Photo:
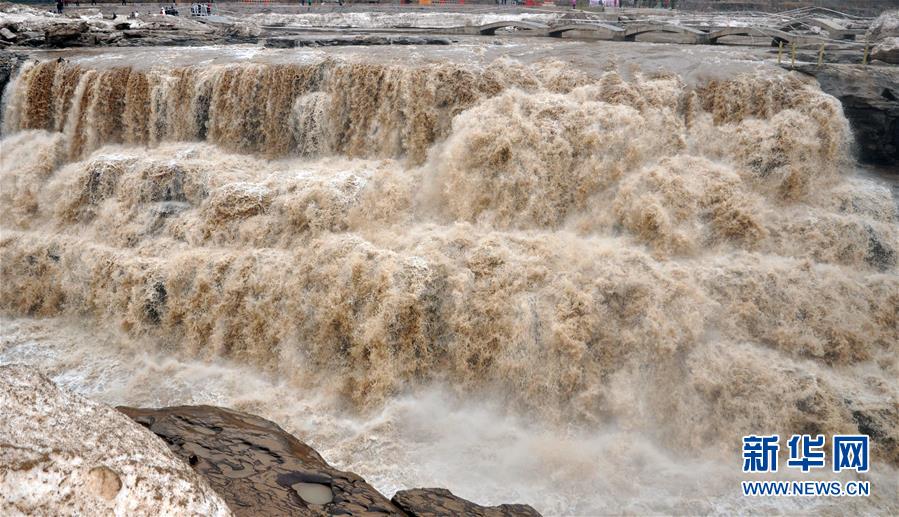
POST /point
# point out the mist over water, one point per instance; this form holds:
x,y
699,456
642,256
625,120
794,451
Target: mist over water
x,y
522,282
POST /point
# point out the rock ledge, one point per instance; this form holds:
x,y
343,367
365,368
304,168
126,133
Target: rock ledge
x,y
260,469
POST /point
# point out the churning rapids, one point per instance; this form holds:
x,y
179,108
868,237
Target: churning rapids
x,y
522,281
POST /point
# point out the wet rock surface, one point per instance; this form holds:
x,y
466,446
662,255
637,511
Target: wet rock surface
x,y
882,425
870,98
260,469
257,467
9,63
63,454
434,502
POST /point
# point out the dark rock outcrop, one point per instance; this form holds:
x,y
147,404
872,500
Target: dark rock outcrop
x,y
870,98
9,64
437,502
257,467
260,469
882,425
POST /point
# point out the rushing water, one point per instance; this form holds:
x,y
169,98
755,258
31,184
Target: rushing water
x,y
524,282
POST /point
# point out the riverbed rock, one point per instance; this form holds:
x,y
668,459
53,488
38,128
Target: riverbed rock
x,y
883,36
882,425
39,28
437,502
30,39
884,26
62,454
257,467
241,33
67,34
870,98
260,469
886,50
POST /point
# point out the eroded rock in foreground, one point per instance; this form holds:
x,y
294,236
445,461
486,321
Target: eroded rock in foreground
x,y
61,454
435,502
256,466
260,469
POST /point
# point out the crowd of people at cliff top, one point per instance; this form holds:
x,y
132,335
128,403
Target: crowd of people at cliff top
x,y
204,9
